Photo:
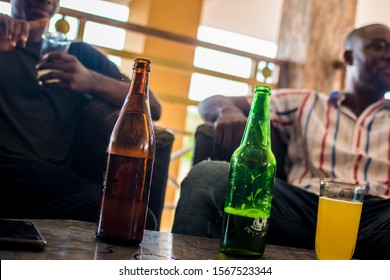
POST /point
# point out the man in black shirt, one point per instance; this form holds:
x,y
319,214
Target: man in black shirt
x,y
38,122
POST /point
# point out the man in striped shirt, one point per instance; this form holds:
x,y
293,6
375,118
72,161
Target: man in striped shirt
x,y
343,136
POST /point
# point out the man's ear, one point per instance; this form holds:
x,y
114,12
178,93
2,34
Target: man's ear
x,y
348,57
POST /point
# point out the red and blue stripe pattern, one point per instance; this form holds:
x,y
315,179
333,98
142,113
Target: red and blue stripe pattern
x,y
327,140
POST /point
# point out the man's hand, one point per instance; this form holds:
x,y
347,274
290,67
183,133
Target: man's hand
x,y
72,75
228,130
229,115
14,33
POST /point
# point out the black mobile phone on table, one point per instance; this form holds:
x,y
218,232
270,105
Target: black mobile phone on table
x,y
20,235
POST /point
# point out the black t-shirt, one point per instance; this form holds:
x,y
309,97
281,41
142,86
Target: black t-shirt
x,y
36,122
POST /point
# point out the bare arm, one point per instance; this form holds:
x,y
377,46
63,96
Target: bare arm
x,y
213,107
104,87
229,115
115,92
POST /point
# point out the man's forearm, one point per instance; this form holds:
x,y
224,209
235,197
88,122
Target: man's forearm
x,y
211,108
110,89
115,92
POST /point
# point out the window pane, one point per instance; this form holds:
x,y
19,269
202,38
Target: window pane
x,y
116,59
5,8
99,8
223,62
203,86
237,41
104,35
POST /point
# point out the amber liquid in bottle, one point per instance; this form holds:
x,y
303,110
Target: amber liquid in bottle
x,y
125,196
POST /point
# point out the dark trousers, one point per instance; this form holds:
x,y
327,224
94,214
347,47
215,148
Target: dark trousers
x,y
39,190
293,214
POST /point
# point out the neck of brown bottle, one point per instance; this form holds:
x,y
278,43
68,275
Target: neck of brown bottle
x,y
139,83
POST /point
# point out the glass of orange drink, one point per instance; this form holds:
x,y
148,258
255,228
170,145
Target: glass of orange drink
x,y
339,210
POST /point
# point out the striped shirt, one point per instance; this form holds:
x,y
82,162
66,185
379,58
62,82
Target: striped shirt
x,y
326,140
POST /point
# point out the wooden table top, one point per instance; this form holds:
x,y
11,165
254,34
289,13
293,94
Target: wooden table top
x,y
76,240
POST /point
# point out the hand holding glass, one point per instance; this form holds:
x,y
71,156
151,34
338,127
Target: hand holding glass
x,y
339,210
53,41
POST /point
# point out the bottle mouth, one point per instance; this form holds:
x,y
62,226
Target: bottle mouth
x,y
259,89
142,63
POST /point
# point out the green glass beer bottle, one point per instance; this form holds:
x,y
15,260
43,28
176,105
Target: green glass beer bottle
x,y
251,181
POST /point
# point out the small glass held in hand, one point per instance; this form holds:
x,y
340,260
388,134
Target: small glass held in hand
x,y
53,41
339,210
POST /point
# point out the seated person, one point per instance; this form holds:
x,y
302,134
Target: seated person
x,y
38,122
343,136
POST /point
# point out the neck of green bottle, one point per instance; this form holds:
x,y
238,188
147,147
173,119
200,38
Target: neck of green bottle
x,y
257,131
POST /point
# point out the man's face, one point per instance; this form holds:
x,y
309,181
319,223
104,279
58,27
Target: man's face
x,y
34,9
371,57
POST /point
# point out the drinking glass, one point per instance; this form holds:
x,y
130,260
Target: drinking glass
x,y
53,41
339,210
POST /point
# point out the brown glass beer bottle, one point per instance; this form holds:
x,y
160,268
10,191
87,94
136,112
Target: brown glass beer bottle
x,y
125,195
